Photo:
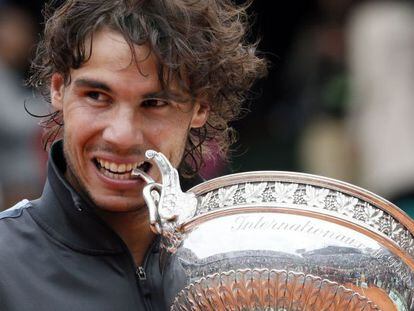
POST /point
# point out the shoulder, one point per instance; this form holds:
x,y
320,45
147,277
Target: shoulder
x,y
16,227
16,210
22,245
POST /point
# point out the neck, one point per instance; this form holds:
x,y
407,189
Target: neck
x,y
134,230
133,227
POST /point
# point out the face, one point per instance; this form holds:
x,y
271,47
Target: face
x,y
113,111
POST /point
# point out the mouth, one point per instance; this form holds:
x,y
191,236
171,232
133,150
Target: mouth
x,y
120,171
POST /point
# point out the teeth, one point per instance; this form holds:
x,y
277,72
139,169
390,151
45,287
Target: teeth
x,y
121,168
118,168
114,167
116,176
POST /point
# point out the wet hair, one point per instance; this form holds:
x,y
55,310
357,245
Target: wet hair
x,y
201,44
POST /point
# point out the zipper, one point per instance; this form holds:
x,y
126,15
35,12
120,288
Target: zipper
x,y
141,277
141,274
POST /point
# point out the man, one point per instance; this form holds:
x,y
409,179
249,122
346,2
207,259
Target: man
x,y
122,77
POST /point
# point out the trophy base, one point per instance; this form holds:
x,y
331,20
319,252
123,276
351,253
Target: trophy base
x,y
269,290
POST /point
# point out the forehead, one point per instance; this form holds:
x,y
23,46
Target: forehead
x,y
112,57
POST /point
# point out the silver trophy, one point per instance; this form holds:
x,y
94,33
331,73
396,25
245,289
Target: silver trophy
x,y
279,241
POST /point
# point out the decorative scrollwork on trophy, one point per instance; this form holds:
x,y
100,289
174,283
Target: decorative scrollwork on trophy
x,y
301,195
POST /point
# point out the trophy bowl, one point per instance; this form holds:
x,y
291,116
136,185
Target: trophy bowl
x,y
282,241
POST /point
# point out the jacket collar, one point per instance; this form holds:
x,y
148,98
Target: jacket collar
x,y
69,217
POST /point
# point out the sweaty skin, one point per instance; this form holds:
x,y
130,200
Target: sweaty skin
x,y
113,111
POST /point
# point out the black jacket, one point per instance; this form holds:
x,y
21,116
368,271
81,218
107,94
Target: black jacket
x,y
56,254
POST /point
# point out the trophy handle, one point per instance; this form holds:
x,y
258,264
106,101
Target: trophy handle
x,y
168,205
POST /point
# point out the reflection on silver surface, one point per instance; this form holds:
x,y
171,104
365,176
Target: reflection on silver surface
x,y
282,241
264,289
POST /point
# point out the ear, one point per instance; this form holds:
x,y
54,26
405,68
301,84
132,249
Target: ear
x,y
200,115
57,88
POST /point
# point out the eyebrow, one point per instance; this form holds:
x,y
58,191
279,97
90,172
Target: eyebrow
x,y
160,94
95,84
169,95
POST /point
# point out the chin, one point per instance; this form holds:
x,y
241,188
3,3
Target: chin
x,y
119,205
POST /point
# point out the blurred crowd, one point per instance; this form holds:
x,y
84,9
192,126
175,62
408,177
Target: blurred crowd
x,y
343,109
360,99
345,102
21,157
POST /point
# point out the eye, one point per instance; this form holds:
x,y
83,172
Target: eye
x,y
154,102
97,96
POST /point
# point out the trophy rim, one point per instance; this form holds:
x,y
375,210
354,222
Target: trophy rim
x,y
403,247
381,238
308,179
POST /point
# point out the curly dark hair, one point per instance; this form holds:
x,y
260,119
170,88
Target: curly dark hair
x,y
202,44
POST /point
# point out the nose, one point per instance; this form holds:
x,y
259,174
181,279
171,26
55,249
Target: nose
x,y
122,129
